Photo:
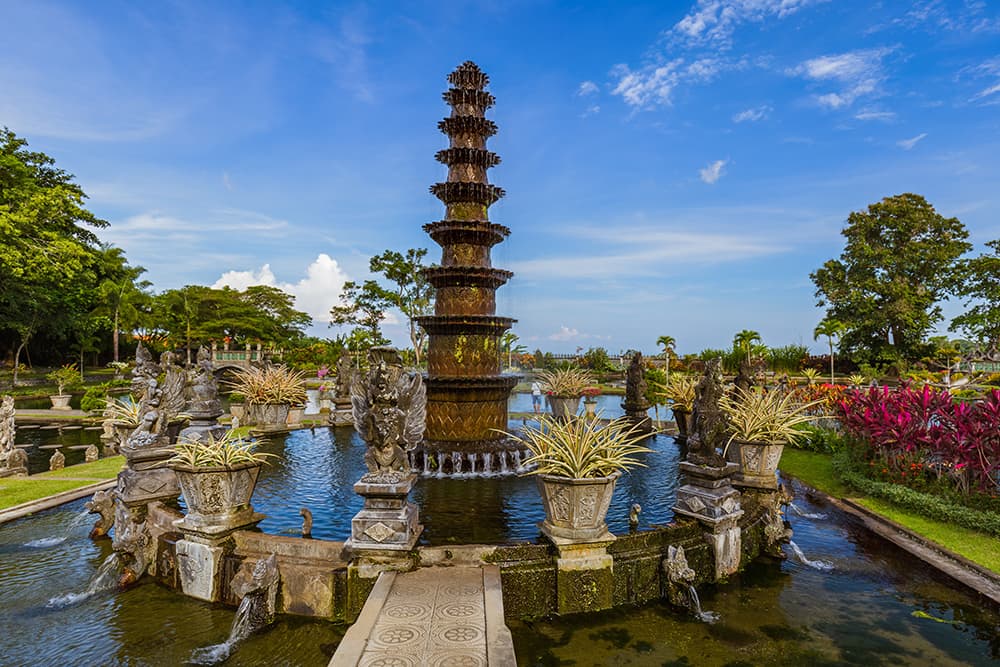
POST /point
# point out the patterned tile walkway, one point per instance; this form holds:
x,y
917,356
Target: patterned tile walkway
x,y
431,617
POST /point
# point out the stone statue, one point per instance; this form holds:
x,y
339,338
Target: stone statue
x,y
345,376
635,383
710,426
58,461
17,464
174,385
679,577
102,504
151,419
91,454
7,428
203,395
258,582
307,521
744,376
144,371
389,413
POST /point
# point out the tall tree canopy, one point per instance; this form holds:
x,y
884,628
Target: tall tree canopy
x,y
980,285
898,263
50,259
364,306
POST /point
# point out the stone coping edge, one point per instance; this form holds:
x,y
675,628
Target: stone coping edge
x,y
957,567
355,640
499,642
32,506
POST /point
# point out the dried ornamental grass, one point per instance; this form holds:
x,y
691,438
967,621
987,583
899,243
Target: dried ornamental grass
x,y
228,450
565,382
580,448
765,417
270,384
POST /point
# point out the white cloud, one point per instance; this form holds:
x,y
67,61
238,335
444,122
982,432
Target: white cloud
x,y
714,21
315,294
752,115
874,114
859,73
713,172
907,144
987,92
647,87
565,333
590,111
587,88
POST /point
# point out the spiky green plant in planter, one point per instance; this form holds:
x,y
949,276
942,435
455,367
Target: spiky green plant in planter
x,y
229,449
577,462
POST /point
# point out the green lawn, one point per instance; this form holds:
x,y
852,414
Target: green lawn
x,y
17,490
816,470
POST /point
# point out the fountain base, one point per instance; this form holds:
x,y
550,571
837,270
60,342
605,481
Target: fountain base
x,y
387,522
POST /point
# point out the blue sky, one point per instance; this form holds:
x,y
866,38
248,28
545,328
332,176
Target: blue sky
x,y
671,167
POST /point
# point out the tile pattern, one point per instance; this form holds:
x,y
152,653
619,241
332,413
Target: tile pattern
x,y
432,617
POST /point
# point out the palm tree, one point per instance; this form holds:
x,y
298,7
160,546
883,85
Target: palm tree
x,y
830,328
668,344
744,340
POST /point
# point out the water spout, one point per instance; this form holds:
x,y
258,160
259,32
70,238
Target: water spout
x,y
503,463
821,565
241,629
105,579
819,516
703,616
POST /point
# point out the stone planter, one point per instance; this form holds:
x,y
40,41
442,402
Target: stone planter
x,y
267,414
217,499
682,418
237,410
590,408
575,509
564,408
295,414
758,463
61,401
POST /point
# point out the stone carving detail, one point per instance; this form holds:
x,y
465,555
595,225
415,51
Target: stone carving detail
x,y
389,413
635,384
58,461
710,424
345,376
102,504
17,464
91,454
560,503
7,429
257,588
379,532
132,540
679,578
751,457
203,395
588,504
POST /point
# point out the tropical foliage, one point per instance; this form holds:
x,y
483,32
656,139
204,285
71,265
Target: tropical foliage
x,y
271,384
582,448
229,449
765,416
567,382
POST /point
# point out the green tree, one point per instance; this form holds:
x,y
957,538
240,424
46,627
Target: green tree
x,y
362,306
669,344
408,291
47,247
597,359
898,263
744,342
509,346
830,328
122,297
980,286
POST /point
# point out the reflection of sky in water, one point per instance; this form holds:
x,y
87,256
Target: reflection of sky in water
x,y
317,469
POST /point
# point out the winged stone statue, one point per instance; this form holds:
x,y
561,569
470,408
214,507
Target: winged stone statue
x,y
389,409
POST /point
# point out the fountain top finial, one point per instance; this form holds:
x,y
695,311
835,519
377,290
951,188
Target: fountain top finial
x,y
469,76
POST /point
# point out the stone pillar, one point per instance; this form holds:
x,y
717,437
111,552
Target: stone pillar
x,y
585,578
708,496
341,414
387,522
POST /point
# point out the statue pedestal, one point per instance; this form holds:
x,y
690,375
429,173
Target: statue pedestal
x,y
202,424
708,496
638,414
387,522
585,578
342,413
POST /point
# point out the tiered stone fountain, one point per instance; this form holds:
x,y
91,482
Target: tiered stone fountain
x,y
466,392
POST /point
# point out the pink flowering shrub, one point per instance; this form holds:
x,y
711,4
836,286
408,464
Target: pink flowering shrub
x,y
907,429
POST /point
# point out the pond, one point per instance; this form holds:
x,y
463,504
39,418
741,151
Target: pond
x,y
41,440
877,605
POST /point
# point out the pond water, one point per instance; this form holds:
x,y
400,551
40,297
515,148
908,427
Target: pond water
x,y
877,605
41,440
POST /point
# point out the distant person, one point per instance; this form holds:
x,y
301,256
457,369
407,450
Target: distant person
x,y
536,397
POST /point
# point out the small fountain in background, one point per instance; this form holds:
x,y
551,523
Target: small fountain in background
x,y
389,414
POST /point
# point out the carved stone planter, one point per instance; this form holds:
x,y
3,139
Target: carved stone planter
x,y
267,414
564,408
295,414
682,418
61,401
758,463
237,410
590,408
217,499
575,508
